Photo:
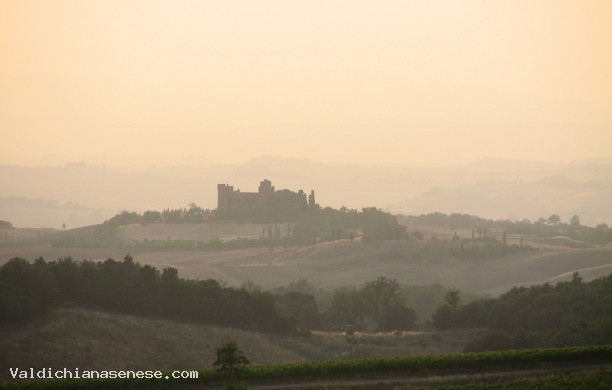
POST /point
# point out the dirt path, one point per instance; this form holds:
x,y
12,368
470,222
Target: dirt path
x,y
392,381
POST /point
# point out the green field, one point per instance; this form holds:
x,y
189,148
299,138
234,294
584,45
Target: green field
x,y
562,367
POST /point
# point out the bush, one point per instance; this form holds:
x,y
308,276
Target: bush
x,y
230,358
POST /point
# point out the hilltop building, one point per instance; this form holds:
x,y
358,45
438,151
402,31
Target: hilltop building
x,y
266,198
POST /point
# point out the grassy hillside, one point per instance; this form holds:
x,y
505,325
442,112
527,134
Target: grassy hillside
x,y
97,340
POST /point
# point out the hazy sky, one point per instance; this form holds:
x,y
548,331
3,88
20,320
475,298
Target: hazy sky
x,y
373,82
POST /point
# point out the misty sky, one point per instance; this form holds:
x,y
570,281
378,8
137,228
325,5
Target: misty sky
x,y
371,82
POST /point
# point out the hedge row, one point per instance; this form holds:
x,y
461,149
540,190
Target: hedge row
x,y
408,366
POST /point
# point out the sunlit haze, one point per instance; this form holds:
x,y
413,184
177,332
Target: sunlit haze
x,y
354,188
386,82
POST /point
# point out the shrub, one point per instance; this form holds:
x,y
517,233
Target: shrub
x,y
230,358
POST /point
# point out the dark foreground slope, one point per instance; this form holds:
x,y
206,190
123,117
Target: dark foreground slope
x,y
96,340
87,339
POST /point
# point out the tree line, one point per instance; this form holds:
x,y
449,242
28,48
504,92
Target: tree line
x,y
29,289
379,305
316,225
568,313
544,227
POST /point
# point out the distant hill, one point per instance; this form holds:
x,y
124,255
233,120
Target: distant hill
x,y
6,225
28,212
516,200
491,188
341,262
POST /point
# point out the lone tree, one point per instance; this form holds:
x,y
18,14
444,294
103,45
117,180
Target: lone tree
x,y
230,358
554,219
452,298
383,302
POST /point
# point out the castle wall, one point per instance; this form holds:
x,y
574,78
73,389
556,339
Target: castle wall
x,y
230,199
234,200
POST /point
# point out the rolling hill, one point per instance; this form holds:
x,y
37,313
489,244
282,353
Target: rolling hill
x,y
93,340
341,262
